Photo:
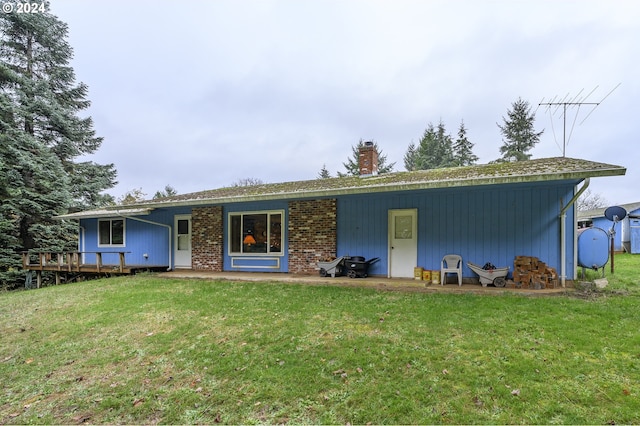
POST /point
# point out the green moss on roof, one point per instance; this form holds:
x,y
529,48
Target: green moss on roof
x,y
558,168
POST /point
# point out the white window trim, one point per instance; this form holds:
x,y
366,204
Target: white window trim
x,y
251,212
124,232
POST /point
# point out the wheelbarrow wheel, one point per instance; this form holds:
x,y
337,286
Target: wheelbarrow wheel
x,y
323,272
351,273
499,282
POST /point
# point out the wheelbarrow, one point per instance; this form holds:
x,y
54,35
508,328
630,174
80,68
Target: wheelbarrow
x,y
359,268
333,268
495,276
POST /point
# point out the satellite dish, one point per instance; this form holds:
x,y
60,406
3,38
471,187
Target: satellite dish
x,y
615,213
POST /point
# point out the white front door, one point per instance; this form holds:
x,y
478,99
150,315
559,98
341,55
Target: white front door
x,y
403,242
182,241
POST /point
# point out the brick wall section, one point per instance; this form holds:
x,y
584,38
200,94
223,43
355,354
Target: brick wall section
x,y
312,233
206,238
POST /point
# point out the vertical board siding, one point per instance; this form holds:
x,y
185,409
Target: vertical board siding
x,y
140,239
487,224
484,224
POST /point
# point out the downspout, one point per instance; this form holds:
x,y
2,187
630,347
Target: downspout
x,y
81,242
152,223
563,236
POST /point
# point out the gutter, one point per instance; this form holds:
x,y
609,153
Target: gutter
x,y
563,236
117,212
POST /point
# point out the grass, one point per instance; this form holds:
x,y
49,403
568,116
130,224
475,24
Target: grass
x,y
149,350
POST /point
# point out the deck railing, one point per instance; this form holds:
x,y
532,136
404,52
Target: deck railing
x,y
71,261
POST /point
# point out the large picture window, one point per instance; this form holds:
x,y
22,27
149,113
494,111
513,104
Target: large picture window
x,y
111,232
255,232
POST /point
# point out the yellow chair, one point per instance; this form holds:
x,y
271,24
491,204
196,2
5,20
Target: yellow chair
x,y
451,264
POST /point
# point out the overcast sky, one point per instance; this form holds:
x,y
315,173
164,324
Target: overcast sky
x,y
200,94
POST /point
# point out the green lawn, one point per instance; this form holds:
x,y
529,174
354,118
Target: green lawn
x,y
150,350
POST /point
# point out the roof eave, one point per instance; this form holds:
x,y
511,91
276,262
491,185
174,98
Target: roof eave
x,y
106,212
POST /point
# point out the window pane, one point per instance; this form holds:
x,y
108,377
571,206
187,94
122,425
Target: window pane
x,y
117,232
104,227
236,234
183,242
254,227
275,237
404,228
183,226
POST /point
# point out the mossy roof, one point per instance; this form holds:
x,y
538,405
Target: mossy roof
x,y
538,170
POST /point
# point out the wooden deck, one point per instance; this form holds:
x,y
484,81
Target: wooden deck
x,y
71,262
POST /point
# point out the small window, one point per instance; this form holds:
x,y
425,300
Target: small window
x,y
255,233
111,232
183,226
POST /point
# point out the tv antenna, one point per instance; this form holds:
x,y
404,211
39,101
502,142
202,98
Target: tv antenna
x,y
561,105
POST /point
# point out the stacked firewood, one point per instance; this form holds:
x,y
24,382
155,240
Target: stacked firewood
x,y
531,272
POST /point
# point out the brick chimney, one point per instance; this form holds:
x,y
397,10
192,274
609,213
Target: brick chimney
x,y
368,159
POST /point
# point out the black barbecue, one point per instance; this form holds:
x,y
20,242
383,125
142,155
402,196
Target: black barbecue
x,y
357,267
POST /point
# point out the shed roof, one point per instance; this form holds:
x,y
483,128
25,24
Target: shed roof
x,y
590,214
538,170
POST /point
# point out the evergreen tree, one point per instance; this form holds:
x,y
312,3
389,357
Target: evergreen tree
x,y
410,157
42,136
324,173
434,151
352,165
9,220
463,149
169,191
519,136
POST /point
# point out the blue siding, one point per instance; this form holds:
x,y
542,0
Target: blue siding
x,y
488,224
485,224
140,238
634,235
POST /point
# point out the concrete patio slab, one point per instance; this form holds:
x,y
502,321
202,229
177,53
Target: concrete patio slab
x,y
374,282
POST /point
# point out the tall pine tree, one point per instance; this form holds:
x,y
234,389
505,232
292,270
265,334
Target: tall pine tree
x,y
324,173
434,151
519,136
463,149
411,157
43,135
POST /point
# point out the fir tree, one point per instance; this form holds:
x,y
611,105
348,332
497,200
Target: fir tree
x,y
324,173
519,136
434,151
463,149
352,165
42,136
410,158
169,191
